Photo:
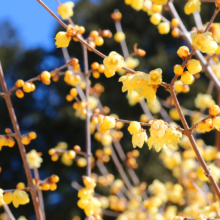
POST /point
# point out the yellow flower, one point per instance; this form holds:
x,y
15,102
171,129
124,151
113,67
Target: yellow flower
x,y
106,139
7,197
65,10
113,62
134,98
191,6
34,160
158,128
147,7
134,127
93,102
149,93
137,4
1,197
140,82
155,18
109,122
203,101
160,2
172,137
194,66
155,76
119,36
164,28
139,138
62,39
154,106
66,160
126,80
204,42
216,123
19,197
158,143
174,114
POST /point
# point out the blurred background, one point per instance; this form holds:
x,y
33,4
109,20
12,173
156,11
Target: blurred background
x,y
27,48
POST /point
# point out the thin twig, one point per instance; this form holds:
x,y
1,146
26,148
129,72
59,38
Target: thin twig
x,y
40,194
8,211
20,145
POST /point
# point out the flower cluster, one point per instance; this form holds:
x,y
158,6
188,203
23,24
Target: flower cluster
x,y
193,66
26,139
139,135
18,197
49,184
144,84
204,42
162,135
210,123
6,140
106,124
112,63
87,201
96,39
26,86
97,69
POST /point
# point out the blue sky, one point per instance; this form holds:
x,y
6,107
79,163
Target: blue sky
x,y
33,23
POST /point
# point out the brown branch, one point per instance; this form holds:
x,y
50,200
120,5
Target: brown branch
x,y
193,143
82,41
147,124
198,54
88,135
20,145
38,78
110,213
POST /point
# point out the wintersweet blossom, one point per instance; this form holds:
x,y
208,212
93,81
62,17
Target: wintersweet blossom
x,y
107,123
34,160
19,197
204,42
172,137
158,128
65,10
144,84
113,62
191,6
134,127
155,76
139,138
